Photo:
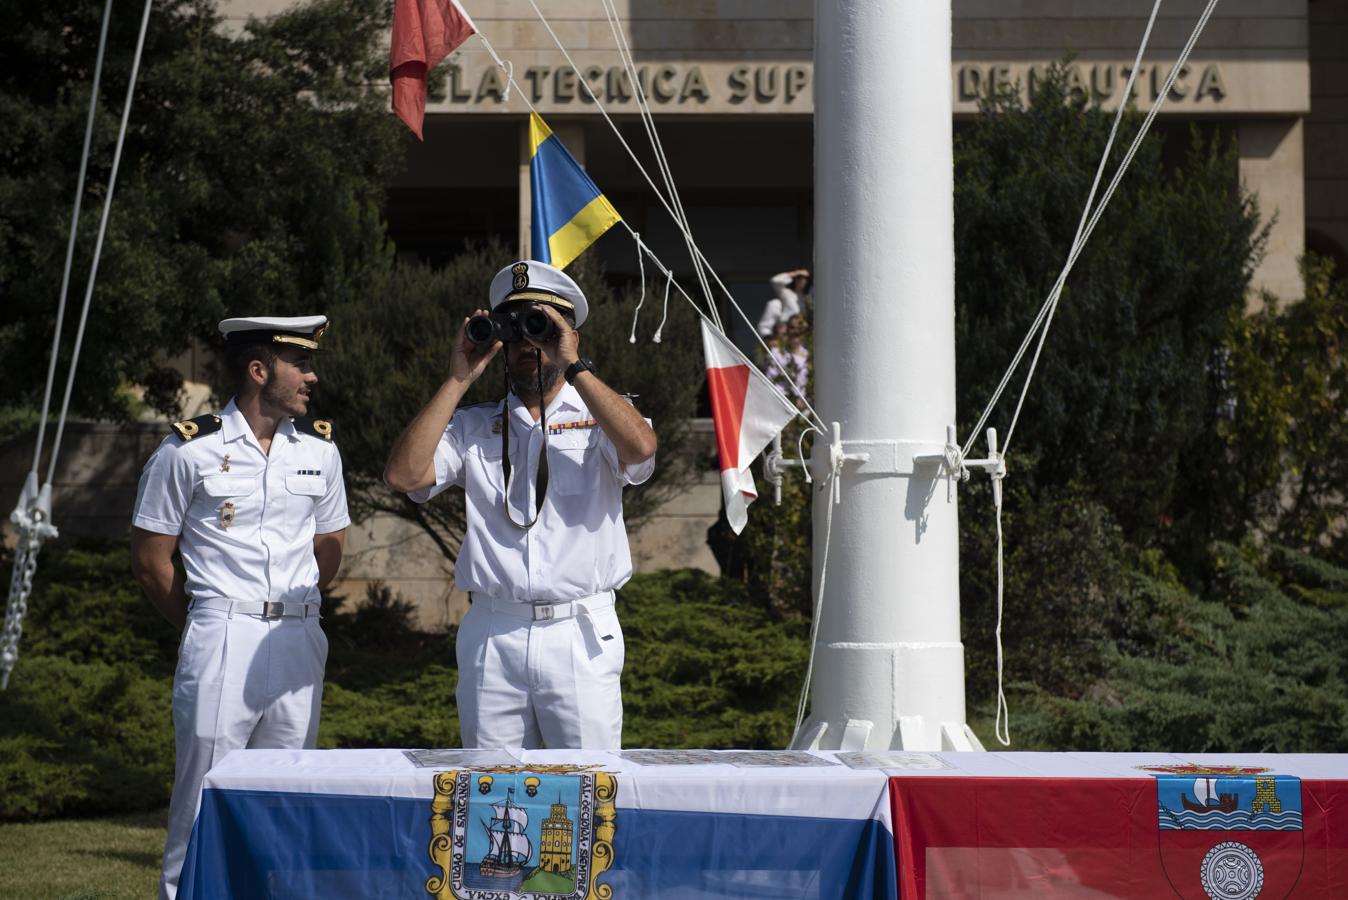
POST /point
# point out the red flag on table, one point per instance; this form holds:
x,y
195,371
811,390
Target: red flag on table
x,y
424,33
747,411
1192,836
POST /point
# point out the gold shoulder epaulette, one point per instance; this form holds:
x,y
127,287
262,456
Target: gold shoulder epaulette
x,y
198,427
319,428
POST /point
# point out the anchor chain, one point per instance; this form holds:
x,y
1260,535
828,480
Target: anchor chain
x,y
33,528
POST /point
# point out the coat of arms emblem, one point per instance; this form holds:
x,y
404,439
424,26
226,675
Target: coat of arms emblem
x,y
515,833
1229,836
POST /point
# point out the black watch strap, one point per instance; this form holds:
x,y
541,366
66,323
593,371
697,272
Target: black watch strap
x,y
580,365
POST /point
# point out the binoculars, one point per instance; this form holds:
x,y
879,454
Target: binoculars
x,y
515,325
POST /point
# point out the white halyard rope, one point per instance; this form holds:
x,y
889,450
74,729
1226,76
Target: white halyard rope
x,y
70,241
1090,217
32,514
1084,234
641,268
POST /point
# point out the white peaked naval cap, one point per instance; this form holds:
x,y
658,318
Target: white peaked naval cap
x,y
530,279
299,331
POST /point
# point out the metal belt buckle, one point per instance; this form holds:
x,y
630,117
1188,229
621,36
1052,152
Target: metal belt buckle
x,y
543,612
273,609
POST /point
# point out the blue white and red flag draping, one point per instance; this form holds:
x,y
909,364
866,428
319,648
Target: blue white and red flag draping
x,y
545,825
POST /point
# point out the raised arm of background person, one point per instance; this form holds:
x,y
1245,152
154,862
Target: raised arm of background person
x,y
411,462
163,582
622,423
328,554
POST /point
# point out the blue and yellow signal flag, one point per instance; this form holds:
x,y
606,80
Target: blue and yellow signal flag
x,y
569,213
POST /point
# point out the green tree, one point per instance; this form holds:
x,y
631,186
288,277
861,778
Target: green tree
x,y
1286,431
1250,661
1124,398
251,182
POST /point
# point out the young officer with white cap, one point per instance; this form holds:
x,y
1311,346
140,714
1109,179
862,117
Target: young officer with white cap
x,y
540,651
253,500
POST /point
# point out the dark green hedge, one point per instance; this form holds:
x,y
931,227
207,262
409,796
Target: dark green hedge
x,y
85,726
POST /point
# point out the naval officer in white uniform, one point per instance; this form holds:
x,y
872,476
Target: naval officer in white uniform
x,y
540,651
252,499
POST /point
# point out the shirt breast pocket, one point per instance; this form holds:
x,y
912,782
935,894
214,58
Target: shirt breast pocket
x,y
217,486
227,499
489,477
305,490
571,454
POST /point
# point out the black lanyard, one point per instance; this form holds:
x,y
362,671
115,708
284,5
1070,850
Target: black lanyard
x,y
541,479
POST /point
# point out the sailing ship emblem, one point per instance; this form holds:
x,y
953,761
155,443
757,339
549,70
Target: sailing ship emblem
x,y
508,839
514,833
1230,836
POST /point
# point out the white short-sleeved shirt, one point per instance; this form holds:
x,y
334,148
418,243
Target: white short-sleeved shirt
x,y
578,546
274,506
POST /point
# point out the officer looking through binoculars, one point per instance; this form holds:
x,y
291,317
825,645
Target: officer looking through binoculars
x,y
540,651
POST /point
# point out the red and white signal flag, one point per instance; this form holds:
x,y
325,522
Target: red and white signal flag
x,y
747,411
424,33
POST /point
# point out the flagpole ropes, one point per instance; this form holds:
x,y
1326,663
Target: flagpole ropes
x,y
32,517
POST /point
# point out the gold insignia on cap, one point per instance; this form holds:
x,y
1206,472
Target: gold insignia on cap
x,y
542,297
521,273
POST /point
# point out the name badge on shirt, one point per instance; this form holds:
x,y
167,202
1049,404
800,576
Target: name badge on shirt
x,y
227,514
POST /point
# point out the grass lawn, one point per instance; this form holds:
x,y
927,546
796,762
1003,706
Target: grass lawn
x,y
82,859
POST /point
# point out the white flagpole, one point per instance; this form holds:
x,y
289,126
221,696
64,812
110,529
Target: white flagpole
x,y
889,670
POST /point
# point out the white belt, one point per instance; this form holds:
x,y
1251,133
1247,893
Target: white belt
x,y
267,609
547,610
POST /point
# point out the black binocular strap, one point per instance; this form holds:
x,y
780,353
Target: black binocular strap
x,y
541,479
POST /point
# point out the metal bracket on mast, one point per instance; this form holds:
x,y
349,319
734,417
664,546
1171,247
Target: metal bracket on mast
x,y
774,464
957,467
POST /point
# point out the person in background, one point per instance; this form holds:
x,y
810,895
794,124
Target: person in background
x,y
788,359
788,297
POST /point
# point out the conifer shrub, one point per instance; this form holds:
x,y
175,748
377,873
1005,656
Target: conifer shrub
x,y
86,724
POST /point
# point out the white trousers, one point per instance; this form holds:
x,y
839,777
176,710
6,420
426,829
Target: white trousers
x,y
242,681
530,684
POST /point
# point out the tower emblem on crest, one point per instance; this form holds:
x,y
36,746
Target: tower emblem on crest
x,y
519,833
521,272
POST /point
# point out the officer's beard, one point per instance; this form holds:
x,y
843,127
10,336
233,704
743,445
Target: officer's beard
x,y
525,384
286,400
525,377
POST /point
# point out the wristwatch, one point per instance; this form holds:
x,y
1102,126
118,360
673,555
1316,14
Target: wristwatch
x,y
580,365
